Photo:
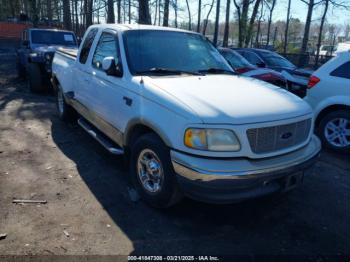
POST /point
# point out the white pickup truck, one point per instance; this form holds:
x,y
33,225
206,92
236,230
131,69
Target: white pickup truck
x,y
188,125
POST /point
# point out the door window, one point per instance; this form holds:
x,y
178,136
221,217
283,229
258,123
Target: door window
x,y
342,71
106,46
252,58
85,49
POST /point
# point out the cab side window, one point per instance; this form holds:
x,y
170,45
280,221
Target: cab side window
x,y
106,46
84,53
342,71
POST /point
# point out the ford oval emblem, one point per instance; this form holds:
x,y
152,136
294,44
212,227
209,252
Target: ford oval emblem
x,y
286,135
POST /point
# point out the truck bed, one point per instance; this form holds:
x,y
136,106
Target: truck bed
x,y
70,52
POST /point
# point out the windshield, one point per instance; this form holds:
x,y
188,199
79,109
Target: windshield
x,y
53,38
272,59
147,50
235,59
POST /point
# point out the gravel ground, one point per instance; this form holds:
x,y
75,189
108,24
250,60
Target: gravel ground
x,y
86,190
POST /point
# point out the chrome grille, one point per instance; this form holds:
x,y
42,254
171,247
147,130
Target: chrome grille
x,y
274,138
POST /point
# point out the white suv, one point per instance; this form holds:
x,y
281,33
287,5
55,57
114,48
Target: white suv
x,y
329,95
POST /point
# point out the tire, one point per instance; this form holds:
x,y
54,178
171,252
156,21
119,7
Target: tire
x,y
65,111
35,82
334,131
21,72
152,148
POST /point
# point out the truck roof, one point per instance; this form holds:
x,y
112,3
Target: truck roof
x,y
128,27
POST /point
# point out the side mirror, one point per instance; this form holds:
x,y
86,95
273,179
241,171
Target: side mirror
x,y
261,64
25,43
111,68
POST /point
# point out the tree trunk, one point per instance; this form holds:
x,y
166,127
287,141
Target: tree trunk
x,y
243,22
321,31
206,20
259,25
175,9
199,15
251,23
34,12
189,16
285,44
119,8
227,23
166,13
216,27
88,12
144,16
239,16
49,10
155,13
67,22
129,11
110,12
306,31
270,21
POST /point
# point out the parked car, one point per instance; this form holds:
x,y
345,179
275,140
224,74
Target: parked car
x,y
342,47
297,78
187,123
241,66
34,57
329,95
326,50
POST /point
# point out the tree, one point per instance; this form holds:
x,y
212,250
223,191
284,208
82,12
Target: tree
x,y
216,27
287,29
248,36
66,15
166,13
199,15
89,5
189,16
242,13
271,8
311,4
119,8
326,2
207,18
227,24
110,12
144,16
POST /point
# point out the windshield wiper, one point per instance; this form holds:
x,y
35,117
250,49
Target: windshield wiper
x,y
167,71
214,70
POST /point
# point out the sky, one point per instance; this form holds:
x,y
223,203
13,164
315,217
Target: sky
x,y
299,10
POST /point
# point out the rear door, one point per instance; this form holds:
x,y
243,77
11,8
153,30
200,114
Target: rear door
x,y
82,72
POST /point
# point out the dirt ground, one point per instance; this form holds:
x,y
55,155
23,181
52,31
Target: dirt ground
x,y
87,197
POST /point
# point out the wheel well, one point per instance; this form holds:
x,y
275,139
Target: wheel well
x,y
137,131
328,110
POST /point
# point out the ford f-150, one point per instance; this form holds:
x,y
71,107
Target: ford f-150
x,y
167,100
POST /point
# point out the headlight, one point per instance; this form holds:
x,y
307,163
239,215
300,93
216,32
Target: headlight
x,y
211,139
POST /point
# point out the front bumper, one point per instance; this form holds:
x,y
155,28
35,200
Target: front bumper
x,y
232,180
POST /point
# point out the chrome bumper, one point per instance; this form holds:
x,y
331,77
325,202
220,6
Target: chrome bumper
x,y
226,176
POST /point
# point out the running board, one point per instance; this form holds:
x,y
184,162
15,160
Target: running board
x,y
102,139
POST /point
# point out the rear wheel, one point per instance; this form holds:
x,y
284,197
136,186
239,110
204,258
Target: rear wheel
x,y
35,82
152,172
65,111
334,130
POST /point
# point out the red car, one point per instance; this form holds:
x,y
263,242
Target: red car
x,y
241,66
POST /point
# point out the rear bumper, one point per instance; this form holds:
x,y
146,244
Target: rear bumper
x,y
232,180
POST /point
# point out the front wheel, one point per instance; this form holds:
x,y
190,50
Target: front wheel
x,y
35,82
334,130
152,172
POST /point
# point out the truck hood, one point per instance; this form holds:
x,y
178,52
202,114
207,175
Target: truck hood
x,y
226,99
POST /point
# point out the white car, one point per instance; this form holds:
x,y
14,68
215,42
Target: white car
x,y
329,95
167,100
